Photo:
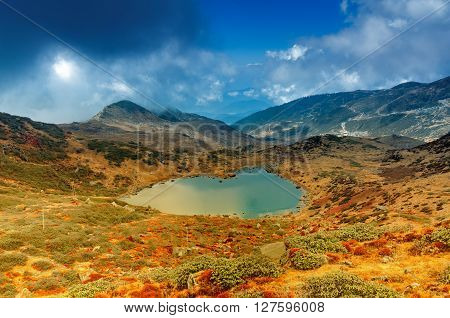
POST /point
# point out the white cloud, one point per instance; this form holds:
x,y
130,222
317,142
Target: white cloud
x,y
344,6
292,54
118,87
350,80
279,93
250,93
254,64
398,23
233,93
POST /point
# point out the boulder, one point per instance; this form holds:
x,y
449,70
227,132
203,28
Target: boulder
x,y
273,250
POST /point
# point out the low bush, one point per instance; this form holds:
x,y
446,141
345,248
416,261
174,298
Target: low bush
x,y
306,260
157,274
344,285
226,273
67,278
10,243
90,290
48,283
445,276
9,260
316,243
358,232
433,242
442,236
8,291
42,265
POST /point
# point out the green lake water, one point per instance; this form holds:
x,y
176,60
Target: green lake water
x,y
250,194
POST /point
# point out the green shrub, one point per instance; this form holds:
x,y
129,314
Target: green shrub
x,y
8,291
10,243
90,290
442,236
438,236
67,278
42,265
227,273
182,272
359,232
316,243
306,260
48,283
126,245
344,285
9,260
157,274
445,276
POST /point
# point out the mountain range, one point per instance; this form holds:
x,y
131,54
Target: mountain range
x,y
410,109
167,130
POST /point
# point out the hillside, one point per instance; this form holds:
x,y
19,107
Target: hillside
x,y
30,140
166,131
415,110
374,217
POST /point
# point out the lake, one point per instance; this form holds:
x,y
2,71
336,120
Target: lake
x,y
250,194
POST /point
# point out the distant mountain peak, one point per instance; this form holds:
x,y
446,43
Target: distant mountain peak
x,y
127,112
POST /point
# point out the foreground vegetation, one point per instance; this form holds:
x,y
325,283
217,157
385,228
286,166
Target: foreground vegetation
x,y
366,229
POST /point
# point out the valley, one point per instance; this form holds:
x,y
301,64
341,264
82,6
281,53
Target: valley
x,y
374,220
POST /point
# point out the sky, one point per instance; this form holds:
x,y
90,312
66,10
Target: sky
x,y
63,61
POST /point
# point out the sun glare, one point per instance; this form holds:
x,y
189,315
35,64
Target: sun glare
x,y
64,69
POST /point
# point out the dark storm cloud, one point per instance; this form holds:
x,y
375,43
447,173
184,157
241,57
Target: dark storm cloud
x,y
101,28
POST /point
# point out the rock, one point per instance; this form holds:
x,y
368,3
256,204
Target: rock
x,y
96,248
273,250
114,204
414,285
381,278
85,274
88,201
386,259
280,232
199,280
129,208
381,208
181,251
277,225
348,263
233,233
24,293
258,226
407,270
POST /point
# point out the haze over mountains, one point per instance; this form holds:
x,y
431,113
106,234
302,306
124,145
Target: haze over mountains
x,y
410,109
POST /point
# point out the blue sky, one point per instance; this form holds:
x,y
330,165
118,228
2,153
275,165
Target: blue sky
x,y
251,27
220,58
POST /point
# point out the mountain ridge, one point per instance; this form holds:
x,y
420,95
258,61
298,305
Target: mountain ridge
x,y
411,109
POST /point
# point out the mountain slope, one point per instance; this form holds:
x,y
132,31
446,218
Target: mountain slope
x,y
411,109
30,140
169,130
